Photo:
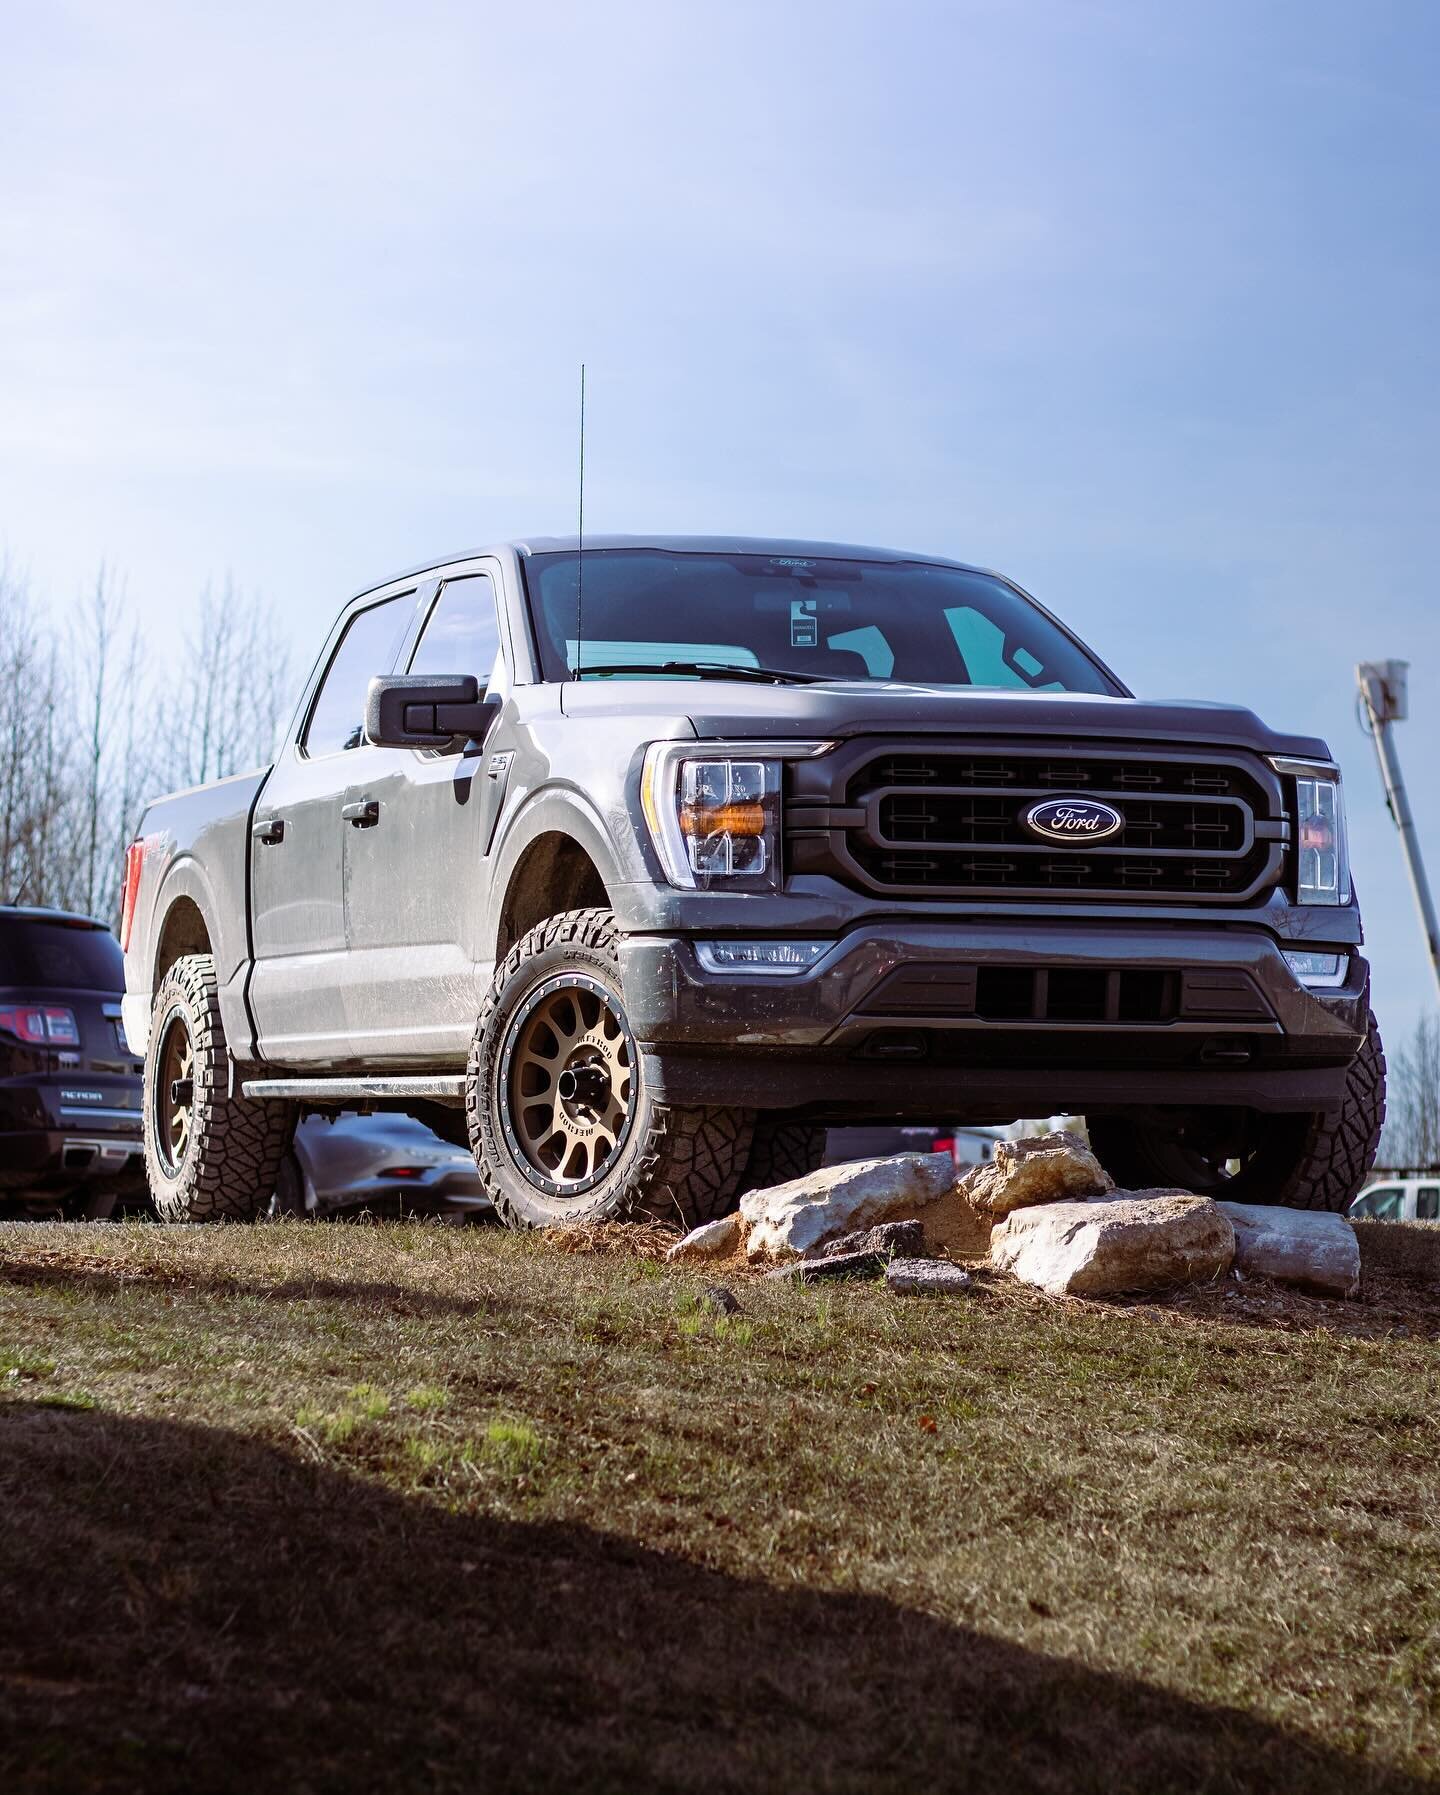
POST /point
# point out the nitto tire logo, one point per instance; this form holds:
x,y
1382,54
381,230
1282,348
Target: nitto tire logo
x,y
1073,822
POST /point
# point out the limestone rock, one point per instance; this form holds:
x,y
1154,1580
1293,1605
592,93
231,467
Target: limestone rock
x,y
905,1240
790,1220
927,1277
1309,1248
712,1240
1050,1168
1131,1241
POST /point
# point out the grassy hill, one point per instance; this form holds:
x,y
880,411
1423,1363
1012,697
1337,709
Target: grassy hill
x,y
404,1507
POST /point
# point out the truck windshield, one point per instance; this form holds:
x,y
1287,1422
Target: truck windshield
x,y
832,619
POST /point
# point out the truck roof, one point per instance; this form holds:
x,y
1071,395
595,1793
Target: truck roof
x,y
682,545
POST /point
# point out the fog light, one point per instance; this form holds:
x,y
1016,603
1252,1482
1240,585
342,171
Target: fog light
x,y
760,956
1317,970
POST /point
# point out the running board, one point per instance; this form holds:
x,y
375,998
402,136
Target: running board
x,y
348,1090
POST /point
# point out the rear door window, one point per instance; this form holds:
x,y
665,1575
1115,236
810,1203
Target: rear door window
x,y
1427,1203
60,956
368,648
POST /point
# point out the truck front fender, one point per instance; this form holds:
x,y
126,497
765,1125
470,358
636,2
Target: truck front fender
x,y
560,831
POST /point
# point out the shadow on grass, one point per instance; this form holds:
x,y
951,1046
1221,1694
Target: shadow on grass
x,y
188,1609
386,1298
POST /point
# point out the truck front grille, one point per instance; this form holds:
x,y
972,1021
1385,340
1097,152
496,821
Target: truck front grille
x,y
946,820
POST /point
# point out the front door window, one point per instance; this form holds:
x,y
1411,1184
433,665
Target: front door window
x,y
368,648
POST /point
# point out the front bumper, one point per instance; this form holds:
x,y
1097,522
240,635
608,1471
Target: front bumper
x,y
988,1019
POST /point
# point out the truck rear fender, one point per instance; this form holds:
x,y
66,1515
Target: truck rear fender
x,y
194,898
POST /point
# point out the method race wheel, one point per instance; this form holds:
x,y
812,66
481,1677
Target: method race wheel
x,y
562,1124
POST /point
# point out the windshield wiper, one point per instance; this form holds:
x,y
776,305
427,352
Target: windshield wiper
x,y
767,676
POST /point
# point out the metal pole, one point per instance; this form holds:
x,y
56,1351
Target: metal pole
x,y
1382,688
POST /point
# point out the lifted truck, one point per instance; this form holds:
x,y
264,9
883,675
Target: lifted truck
x,y
634,870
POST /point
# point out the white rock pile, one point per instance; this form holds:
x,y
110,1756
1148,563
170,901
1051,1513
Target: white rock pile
x,y
1044,1210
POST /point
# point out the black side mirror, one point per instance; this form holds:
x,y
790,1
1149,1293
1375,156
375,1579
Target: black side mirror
x,y
426,710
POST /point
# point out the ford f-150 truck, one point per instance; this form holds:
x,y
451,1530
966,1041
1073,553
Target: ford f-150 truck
x,y
634,866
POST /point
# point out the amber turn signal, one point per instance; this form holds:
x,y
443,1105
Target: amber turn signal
x,y
722,819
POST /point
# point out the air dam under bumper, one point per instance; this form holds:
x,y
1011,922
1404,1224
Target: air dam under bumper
x,y
990,1019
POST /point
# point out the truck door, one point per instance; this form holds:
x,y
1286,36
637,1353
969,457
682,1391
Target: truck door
x,y
297,986
416,857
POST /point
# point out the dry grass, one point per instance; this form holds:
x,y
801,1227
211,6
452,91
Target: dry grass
x,y
403,1506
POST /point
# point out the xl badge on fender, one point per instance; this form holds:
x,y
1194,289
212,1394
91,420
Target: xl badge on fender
x,y
1073,822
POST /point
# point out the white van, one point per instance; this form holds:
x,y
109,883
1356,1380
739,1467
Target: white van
x,y
1399,1200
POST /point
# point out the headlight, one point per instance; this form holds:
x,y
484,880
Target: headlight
x,y
1322,855
713,810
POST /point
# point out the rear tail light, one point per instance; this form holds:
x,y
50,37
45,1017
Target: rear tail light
x,y
42,1026
134,861
404,1171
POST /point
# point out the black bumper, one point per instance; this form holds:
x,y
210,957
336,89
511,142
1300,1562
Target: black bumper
x,y
986,1020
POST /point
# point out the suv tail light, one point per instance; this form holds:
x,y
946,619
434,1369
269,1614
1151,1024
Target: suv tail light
x,y
134,861
42,1026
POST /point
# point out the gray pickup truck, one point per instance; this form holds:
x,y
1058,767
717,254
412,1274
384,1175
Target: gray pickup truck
x,y
634,868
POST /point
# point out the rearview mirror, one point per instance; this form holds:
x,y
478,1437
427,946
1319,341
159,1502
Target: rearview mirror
x,y
426,710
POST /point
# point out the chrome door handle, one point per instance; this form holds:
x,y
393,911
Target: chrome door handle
x,y
270,831
363,815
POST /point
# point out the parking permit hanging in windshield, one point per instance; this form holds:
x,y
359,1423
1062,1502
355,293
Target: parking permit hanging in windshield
x,y
804,623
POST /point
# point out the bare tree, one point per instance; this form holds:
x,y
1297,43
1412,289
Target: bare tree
x,y
80,749
36,792
236,675
105,664
1412,1132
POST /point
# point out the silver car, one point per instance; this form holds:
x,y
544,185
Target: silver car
x,y
387,1164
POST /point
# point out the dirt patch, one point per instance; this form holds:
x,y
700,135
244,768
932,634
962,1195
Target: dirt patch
x,y
1387,1307
955,1228
1400,1250
613,1240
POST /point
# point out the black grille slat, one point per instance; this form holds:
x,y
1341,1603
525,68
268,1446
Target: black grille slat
x,y
963,819
948,819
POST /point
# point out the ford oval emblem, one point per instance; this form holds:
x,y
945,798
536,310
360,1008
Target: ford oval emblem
x,y
1073,822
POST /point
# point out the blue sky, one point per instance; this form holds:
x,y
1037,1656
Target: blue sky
x,y
1137,302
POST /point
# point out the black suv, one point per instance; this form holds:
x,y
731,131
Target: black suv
x,y
69,1086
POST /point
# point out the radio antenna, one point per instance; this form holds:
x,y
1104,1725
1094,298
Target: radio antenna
x,y
580,550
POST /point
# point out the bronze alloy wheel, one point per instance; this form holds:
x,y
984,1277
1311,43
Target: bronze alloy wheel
x,y
567,1084
174,1094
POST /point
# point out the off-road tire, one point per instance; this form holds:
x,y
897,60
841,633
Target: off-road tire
x,y
289,1198
1300,1161
781,1151
676,1163
233,1156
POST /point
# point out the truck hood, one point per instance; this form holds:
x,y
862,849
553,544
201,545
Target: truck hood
x,y
842,708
